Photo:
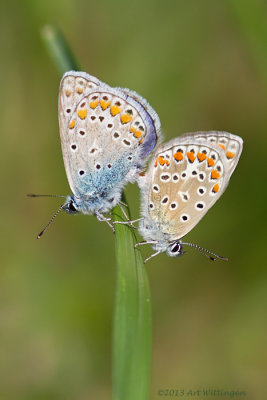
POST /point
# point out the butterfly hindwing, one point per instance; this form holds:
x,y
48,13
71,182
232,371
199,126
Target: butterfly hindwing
x,y
231,145
185,178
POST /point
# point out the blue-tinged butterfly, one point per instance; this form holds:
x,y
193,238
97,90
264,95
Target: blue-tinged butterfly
x,y
106,136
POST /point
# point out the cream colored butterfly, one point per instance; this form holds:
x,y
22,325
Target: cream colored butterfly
x,y
186,176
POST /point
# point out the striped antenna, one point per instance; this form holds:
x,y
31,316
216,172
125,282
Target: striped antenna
x,y
54,216
210,254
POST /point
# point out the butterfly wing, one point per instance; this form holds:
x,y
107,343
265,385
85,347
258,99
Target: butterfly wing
x,y
149,146
73,87
185,178
106,138
231,144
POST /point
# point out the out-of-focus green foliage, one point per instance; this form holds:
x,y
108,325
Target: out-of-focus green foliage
x,y
201,68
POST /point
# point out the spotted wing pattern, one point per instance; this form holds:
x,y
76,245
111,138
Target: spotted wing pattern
x,y
74,86
231,144
185,178
106,134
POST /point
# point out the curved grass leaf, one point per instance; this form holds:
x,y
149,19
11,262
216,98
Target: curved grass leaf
x,y
58,49
132,319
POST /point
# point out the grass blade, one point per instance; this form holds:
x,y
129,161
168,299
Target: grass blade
x,y
59,50
132,320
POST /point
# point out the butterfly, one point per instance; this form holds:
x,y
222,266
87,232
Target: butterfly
x,y
185,177
106,136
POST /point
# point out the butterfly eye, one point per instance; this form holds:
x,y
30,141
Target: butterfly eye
x,y
71,207
174,250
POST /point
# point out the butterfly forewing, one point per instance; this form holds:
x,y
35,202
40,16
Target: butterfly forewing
x,y
73,87
186,178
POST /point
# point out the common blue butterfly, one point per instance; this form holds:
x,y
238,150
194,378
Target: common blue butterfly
x,y
106,136
186,176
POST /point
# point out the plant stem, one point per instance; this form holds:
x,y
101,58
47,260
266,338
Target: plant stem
x,y
58,49
132,332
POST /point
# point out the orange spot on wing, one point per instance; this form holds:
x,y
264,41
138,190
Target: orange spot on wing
x,y
201,156
138,134
215,188
210,162
178,156
191,156
125,118
82,113
141,141
215,174
229,154
161,160
67,93
104,104
115,110
221,146
132,129
72,124
94,104
79,90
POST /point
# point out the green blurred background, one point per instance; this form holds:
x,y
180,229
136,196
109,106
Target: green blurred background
x,y
202,65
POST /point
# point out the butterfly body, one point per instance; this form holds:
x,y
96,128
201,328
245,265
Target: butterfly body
x,y
185,178
101,191
106,136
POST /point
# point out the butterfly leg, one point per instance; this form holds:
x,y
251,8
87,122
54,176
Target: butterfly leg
x,y
128,221
124,204
101,217
152,255
148,242
120,204
142,243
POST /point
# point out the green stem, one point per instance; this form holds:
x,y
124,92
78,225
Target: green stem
x,y
58,49
132,320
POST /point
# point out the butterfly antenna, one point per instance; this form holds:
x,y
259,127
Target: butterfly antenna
x,y
44,195
210,254
50,222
